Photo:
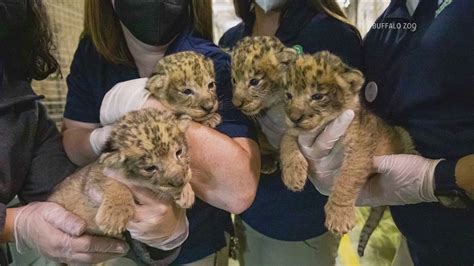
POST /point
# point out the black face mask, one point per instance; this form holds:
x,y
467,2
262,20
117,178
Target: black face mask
x,y
153,22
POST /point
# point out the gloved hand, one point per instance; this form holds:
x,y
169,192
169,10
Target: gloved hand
x,y
99,137
58,234
404,179
273,124
324,152
124,97
156,223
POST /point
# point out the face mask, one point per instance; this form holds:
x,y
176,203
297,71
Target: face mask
x,y
154,22
268,5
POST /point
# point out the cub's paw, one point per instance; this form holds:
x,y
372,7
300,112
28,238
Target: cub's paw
x,y
112,220
213,121
186,198
269,165
294,174
339,219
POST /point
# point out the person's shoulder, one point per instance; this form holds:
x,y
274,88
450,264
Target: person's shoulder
x,y
86,48
322,25
231,36
210,50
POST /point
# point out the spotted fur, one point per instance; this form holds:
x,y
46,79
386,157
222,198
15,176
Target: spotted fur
x,y
148,148
318,89
258,67
185,83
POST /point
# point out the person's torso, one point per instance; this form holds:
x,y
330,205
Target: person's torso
x,y
278,212
424,80
19,112
207,224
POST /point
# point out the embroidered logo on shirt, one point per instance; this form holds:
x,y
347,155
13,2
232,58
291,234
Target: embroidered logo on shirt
x,y
442,7
299,49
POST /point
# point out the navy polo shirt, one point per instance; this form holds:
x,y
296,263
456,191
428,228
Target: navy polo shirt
x,y
92,77
278,212
425,82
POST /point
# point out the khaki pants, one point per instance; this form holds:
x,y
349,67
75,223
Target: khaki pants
x,y
261,250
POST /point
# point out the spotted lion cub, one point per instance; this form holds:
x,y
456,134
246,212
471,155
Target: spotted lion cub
x,y
319,88
258,64
185,83
149,148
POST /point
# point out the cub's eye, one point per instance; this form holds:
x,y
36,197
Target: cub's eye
x,y
179,153
233,80
188,92
317,97
150,169
254,82
289,96
211,85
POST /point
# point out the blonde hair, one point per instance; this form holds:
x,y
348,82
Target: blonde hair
x,y
103,27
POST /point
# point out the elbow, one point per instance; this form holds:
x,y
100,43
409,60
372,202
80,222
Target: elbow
x,y
243,202
248,192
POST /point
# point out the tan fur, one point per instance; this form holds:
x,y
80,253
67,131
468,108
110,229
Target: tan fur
x,y
258,64
319,89
185,83
149,148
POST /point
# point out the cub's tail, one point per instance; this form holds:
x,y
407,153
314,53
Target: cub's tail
x,y
371,223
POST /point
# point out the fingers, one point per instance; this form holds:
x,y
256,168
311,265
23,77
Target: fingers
x,y
92,257
64,220
327,139
332,133
143,195
93,244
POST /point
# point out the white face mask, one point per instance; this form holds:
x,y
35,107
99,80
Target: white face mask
x,y
268,5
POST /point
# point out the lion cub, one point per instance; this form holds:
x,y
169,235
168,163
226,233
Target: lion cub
x,y
184,82
258,64
319,88
148,148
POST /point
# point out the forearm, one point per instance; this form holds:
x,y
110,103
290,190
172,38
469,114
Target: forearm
x,y
225,170
77,145
7,230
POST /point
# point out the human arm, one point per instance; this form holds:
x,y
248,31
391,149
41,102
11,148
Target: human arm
x,y
29,225
225,175
403,179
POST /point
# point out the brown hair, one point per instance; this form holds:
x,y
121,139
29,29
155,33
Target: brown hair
x,y
103,27
329,7
28,51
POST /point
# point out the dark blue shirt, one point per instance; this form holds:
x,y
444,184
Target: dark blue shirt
x,y
278,212
425,82
92,76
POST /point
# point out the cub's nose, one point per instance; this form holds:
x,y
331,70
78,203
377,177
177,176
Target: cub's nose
x,y
207,107
176,182
296,118
237,102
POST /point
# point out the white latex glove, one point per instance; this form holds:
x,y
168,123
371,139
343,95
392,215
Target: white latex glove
x,y
99,137
273,124
324,153
58,234
404,179
157,224
124,97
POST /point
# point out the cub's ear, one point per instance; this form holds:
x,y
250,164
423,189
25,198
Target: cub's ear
x,y
354,78
183,122
157,83
210,65
286,56
112,159
275,65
